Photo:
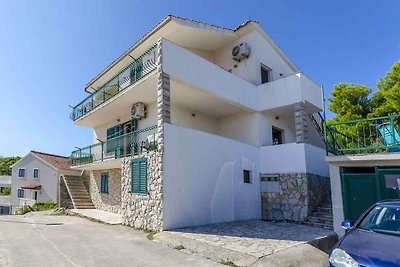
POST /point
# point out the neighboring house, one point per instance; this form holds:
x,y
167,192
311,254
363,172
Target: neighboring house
x,y
35,178
197,124
364,165
5,205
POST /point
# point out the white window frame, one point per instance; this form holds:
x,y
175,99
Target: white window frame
x,y
38,173
23,194
19,172
269,72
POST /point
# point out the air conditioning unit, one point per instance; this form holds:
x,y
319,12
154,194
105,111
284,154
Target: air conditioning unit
x,y
241,51
138,111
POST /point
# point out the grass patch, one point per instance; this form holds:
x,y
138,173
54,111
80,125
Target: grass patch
x,y
150,234
38,206
180,247
229,263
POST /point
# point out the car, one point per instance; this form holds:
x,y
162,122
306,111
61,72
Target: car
x,y
373,240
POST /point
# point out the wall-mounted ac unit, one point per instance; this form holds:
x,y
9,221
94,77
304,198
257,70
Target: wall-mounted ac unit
x,y
138,111
241,51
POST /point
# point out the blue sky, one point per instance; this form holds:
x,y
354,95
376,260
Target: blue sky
x,y
50,49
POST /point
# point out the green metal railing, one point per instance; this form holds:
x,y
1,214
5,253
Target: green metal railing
x,y
134,143
372,135
137,70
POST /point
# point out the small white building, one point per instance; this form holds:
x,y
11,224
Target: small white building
x,y
197,124
5,205
35,178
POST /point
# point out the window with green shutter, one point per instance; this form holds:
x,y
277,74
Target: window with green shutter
x,y
104,182
139,176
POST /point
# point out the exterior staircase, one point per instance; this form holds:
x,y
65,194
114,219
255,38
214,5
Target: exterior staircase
x,y
78,193
322,217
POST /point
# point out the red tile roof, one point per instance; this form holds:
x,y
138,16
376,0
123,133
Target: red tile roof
x,y
59,162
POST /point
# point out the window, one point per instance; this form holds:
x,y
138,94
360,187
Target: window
x,y
139,176
20,193
36,173
112,134
21,173
270,183
247,176
104,182
277,136
266,74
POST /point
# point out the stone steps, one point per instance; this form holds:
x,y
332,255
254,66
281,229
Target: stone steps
x,y
322,217
78,193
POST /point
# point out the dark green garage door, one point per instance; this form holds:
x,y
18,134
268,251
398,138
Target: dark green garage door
x,y
362,187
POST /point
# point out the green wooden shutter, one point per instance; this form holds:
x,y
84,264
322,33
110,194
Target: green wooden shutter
x,y
139,176
104,182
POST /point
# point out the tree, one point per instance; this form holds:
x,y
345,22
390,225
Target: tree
x,y
349,102
386,100
5,164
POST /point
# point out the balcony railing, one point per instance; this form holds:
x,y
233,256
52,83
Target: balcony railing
x,y
133,143
374,135
137,70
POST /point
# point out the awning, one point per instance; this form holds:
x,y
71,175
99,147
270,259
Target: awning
x,y
32,186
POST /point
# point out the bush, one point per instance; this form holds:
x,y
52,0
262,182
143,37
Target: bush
x,y
6,191
38,206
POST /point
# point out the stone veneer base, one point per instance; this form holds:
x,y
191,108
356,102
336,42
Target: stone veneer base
x,y
300,194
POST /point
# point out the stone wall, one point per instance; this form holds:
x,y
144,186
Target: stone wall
x,y
299,194
110,202
65,199
138,210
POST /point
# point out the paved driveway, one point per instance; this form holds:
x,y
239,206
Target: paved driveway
x,y
42,240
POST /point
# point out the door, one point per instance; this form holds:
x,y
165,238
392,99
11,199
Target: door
x,y
359,193
35,196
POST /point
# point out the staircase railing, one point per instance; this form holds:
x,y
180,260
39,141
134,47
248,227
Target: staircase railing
x,y
319,123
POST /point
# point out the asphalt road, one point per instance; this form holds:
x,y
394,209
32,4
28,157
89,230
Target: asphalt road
x,y
37,239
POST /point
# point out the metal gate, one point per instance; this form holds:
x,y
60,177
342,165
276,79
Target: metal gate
x,y
361,189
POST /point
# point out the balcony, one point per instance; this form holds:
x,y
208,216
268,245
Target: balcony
x,y
140,68
134,143
374,135
290,90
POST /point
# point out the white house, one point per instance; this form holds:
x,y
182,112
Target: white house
x,y
197,124
35,178
5,205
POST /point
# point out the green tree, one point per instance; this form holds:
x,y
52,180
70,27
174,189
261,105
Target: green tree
x,y
386,100
349,102
5,164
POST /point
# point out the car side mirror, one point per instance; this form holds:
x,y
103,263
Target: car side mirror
x,y
347,224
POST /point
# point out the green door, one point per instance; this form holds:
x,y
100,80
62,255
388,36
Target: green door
x,y
359,193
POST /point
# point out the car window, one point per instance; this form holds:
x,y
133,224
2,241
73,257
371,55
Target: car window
x,y
383,219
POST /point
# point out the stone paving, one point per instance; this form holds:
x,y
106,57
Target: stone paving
x,y
255,238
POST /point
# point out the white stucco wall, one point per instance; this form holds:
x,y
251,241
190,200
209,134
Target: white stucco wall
x,y
48,179
182,116
151,119
203,180
249,69
293,158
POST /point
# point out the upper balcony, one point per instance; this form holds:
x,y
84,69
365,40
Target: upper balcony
x,y
366,136
130,76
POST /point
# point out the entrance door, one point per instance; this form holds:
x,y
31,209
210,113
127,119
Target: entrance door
x,y
359,193
35,195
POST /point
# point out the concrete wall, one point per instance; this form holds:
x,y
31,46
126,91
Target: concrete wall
x,y
48,179
203,179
